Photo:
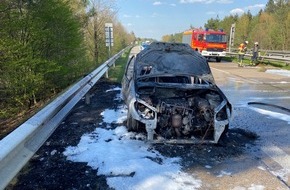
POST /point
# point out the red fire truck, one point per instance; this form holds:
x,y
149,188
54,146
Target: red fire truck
x,y
210,43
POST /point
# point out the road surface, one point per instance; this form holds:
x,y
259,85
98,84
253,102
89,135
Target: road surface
x,y
268,162
91,149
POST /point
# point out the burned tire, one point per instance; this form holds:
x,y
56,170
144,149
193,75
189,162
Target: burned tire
x,y
224,134
224,137
132,124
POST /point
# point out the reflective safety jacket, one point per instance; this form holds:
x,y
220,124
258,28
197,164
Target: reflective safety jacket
x,y
242,48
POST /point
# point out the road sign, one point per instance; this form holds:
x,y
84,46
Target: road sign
x,y
109,34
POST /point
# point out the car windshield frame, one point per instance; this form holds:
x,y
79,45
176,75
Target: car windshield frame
x,y
173,62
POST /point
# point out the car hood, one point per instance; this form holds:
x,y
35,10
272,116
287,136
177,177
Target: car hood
x,y
171,63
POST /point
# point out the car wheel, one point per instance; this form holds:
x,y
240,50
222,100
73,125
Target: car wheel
x,y
223,139
132,124
218,59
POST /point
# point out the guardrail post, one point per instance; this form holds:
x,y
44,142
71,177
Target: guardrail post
x,y
107,74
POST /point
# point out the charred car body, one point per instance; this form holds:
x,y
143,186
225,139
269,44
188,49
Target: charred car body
x,y
171,95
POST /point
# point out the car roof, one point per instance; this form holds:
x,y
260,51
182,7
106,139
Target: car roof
x,y
171,58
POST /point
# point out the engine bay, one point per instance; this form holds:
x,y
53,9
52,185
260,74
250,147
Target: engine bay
x,y
183,113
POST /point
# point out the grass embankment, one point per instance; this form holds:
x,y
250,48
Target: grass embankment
x,y
262,63
116,73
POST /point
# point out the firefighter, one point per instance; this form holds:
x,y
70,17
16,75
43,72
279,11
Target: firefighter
x,y
242,52
255,51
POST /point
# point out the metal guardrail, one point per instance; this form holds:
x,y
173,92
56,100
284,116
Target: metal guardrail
x,y
18,147
284,59
268,53
276,53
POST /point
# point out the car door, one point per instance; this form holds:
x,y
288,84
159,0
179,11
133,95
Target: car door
x,y
128,77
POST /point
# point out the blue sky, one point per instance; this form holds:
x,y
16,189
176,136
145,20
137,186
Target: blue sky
x,y
155,18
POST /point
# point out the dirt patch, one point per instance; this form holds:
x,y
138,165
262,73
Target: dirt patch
x,y
49,168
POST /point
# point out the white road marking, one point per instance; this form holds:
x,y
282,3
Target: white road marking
x,y
242,80
221,71
278,155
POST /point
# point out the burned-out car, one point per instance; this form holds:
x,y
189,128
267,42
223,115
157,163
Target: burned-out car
x,y
171,95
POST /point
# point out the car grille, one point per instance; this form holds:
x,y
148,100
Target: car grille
x,y
215,49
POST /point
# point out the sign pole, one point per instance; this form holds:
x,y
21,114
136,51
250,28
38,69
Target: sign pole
x,y
232,36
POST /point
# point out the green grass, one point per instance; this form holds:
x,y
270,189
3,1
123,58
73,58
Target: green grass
x,y
116,73
229,59
277,64
247,61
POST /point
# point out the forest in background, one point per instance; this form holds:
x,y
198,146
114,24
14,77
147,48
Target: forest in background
x,y
45,46
270,27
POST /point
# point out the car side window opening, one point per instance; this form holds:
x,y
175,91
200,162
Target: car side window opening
x,y
130,68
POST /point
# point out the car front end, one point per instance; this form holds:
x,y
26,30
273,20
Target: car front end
x,y
173,97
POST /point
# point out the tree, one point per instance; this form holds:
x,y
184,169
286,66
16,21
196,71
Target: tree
x,y
242,28
41,45
100,12
45,46
288,32
177,37
281,14
213,24
21,79
270,6
254,31
226,24
270,27
279,33
58,38
121,37
166,38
